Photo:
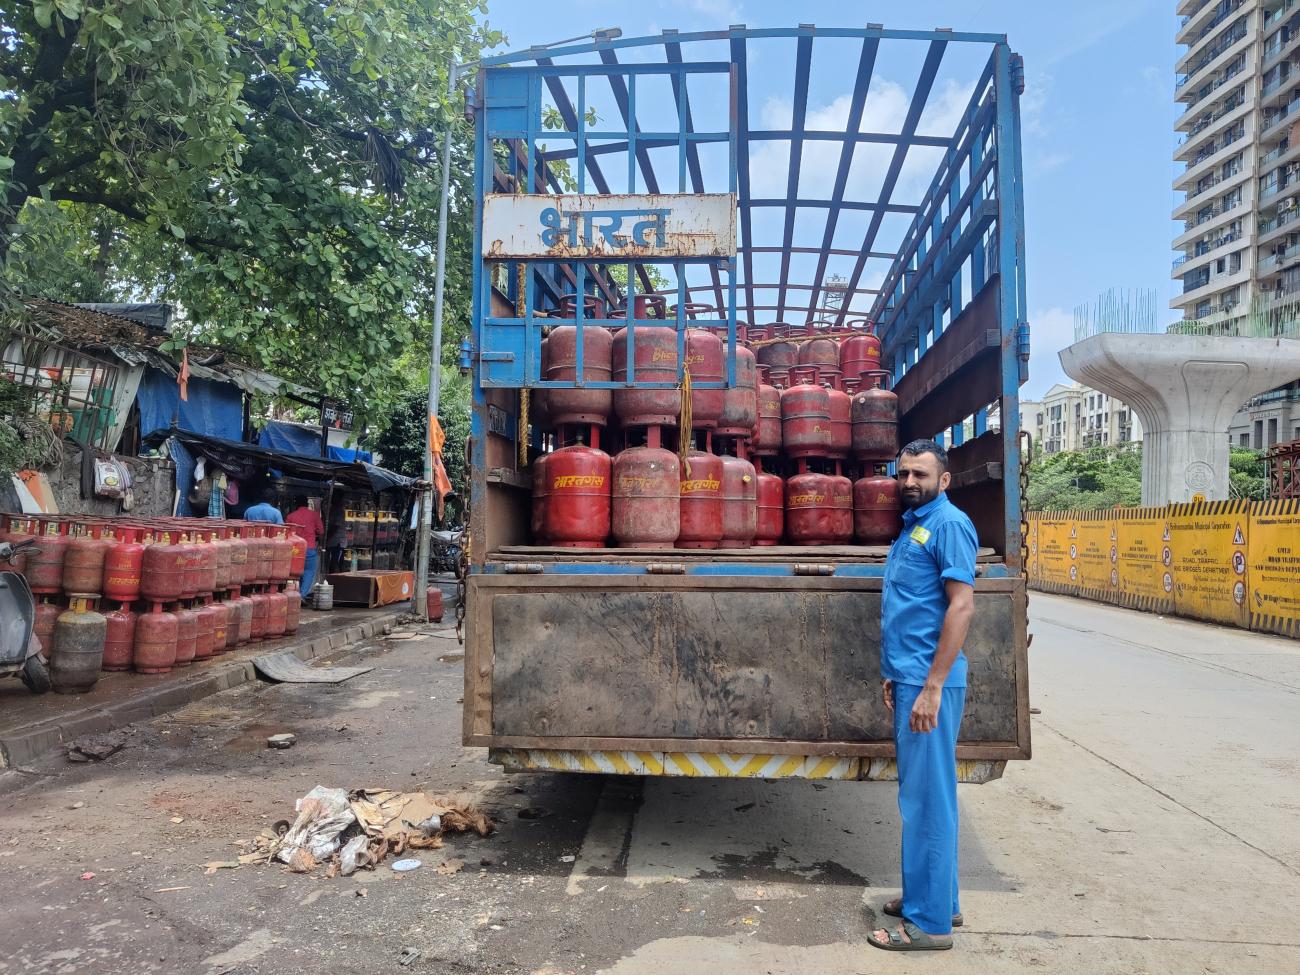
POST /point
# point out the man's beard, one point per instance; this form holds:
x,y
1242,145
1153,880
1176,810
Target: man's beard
x,y
917,499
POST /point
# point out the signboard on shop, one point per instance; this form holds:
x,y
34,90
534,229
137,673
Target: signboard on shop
x,y
640,226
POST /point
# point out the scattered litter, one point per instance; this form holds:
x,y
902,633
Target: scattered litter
x,y
361,892
77,805
568,859
168,890
408,956
746,806
451,658
285,740
449,867
210,868
404,636
285,668
1035,710
87,876
1103,829
532,812
403,866
177,820
344,833
96,749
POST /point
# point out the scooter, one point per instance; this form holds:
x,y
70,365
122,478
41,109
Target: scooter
x,y
20,649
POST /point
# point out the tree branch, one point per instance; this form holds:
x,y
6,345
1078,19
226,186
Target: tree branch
x,y
66,166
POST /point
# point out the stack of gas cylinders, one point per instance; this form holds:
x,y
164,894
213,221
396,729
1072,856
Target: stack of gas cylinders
x,y
152,594
766,462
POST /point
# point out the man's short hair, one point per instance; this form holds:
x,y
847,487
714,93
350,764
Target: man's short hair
x,y
300,501
918,447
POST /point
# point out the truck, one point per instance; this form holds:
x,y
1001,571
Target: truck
x,y
733,179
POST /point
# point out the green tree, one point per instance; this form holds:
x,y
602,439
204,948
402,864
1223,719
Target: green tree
x,y
1086,480
1247,474
270,166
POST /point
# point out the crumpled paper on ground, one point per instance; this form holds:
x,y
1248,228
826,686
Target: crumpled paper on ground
x,y
314,835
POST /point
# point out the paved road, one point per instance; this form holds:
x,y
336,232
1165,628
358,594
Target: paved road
x,y
1152,832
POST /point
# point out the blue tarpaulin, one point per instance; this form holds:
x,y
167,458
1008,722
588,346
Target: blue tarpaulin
x,y
294,439
213,409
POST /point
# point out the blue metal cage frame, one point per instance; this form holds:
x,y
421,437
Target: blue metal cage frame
x,y
966,231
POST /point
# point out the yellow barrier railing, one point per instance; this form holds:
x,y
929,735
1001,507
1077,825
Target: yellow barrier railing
x,y
1232,562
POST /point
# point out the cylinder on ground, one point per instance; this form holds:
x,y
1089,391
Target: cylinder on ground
x,y
187,635
119,638
79,635
155,642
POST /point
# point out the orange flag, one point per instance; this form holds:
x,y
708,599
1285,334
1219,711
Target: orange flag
x,y
441,482
183,380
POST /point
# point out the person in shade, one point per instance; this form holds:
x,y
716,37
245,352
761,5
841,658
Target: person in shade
x,y
307,523
264,510
929,599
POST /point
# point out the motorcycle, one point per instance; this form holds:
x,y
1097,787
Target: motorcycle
x,y
20,649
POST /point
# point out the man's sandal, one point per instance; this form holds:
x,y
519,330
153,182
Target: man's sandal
x,y
917,940
894,908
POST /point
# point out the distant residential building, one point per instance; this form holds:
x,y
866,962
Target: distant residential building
x,y
1074,417
1269,418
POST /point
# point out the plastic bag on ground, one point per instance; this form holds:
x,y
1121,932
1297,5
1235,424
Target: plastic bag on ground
x,y
314,836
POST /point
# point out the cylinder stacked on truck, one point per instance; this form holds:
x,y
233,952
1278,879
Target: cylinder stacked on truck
x,y
153,594
765,461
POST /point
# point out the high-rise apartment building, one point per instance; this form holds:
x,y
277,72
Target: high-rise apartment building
x,y
1238,84
1074,417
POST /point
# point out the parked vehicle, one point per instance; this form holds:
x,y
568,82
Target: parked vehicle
x,y
21,653
617,620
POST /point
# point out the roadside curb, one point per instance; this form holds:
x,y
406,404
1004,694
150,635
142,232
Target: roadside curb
x,y
24,745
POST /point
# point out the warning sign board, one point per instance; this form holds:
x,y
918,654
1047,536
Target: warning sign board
x,y
1208,562
1092,556
1140,544
1273,567
1054,553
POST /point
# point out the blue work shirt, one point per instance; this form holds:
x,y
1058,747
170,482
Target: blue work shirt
x,y
264,512
938,543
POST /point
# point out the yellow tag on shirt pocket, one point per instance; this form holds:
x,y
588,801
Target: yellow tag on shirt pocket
x,y
920,535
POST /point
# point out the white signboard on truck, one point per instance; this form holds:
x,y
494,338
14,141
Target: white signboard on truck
x,y
640,226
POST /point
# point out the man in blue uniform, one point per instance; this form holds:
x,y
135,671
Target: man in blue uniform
x,y
929,598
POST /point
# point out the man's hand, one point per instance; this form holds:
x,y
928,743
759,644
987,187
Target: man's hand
x,y
925,712
887,692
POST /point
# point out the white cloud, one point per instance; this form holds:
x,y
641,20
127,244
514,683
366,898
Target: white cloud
x,y
1050,331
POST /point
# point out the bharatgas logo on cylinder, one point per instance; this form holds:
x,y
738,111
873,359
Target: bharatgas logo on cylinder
x,y
698,484
805,500
626,226
563,481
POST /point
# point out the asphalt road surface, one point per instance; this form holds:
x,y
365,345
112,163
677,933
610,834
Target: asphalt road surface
x,y
1154,831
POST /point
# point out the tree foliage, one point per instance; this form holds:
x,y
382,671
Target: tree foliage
x,y
270,166
1247,474
1086,480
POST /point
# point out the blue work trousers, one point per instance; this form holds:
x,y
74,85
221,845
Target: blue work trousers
x,y
308,573
927,803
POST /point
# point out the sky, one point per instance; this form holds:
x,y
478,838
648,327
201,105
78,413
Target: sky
x,y
1097,120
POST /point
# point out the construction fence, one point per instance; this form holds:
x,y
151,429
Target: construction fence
x,y
1232,562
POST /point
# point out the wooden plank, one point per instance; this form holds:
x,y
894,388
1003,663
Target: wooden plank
x,y
694,663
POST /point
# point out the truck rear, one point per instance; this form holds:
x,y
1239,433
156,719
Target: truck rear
x,y
771,188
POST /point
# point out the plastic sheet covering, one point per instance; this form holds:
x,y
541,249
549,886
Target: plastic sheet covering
x,y
296,439
184,462
213,409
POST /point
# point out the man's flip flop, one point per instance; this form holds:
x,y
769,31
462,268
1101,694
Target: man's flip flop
x,y
919,940
894,908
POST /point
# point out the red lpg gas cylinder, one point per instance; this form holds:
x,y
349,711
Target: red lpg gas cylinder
x,y
541,495
860,350
220,627
47,613
739,503
707,361
767,431
809,511
578,502
740,402
433,603
823,352
123,565
645,508
187,634
770,503
238,557
204,632
16,529
539,403
560,364
875,421
281,556
155,642
277,614
592,307
654,360
780,356
221,553
243,629
842,504
83,562
191,566
162,578
805,415
45,562
119,640
261,614
700,525
206,540
292,609
298,546
841,407
877,511
644,306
